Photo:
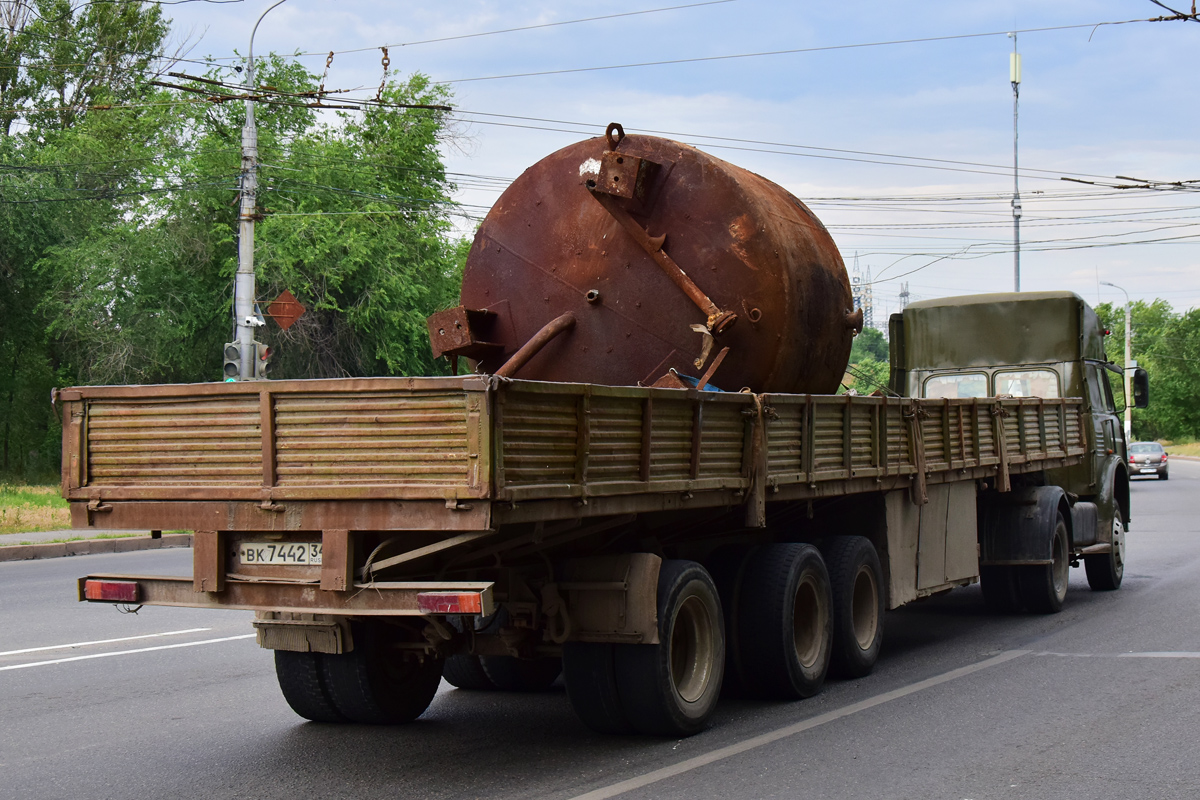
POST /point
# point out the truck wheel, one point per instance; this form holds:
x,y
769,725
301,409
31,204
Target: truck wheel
x,y
589,669
1105,570
856,581
1043,587
999,585
375,683
465,671
785,622
511,674
303,685
671,688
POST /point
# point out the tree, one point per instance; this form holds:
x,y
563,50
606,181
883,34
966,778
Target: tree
x,y
118,221
354,224
870,375
870,342
65,172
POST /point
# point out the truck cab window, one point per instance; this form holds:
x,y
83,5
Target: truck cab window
x,y
1116,400
963,384
1028,383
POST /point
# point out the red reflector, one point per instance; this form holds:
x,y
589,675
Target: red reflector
x,y
111,591
450,603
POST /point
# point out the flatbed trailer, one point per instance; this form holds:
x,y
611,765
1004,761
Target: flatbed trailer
x,y
487,527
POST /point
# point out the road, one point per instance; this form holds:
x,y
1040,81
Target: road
x,y
1099,701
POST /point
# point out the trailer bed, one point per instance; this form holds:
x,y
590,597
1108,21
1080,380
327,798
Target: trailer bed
x,y
474,453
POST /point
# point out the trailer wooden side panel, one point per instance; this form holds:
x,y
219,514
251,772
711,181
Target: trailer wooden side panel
x,y
444,446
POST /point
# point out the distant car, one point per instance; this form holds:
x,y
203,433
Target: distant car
x,y
1148,458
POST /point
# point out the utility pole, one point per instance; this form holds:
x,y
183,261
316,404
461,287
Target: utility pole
x,y
1129,365
1014,76
243,288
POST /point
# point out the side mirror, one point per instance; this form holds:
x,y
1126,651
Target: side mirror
x,y
1141,388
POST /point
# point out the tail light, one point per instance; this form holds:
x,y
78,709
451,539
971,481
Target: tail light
x,y
450,602
1164,458
110,591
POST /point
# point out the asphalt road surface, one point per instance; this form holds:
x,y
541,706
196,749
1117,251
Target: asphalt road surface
x,y
1099,701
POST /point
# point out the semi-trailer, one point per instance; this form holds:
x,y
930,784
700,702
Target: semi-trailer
x,y
587,502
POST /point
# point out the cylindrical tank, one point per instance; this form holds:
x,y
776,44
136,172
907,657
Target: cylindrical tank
x,y
550,246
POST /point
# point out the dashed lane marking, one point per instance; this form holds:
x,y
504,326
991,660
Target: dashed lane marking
x,y
128,652
101,641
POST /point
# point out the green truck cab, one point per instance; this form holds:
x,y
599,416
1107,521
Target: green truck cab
x,y
1032,344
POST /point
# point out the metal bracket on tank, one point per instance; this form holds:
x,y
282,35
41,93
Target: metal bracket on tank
x,y
623,178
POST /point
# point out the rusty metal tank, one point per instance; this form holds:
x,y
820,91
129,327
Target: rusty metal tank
x,y
664,256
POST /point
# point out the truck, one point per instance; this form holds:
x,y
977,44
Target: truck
x,y
649,543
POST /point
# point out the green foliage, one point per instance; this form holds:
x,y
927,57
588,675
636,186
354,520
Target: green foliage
x,y
870,342
870,375
1167,346
118,228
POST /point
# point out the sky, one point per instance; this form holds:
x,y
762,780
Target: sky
x,y
892,120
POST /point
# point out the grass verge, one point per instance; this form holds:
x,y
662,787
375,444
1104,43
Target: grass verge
x,y
25,509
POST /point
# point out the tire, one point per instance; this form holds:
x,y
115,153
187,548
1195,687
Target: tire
x,y
999,585
510,674
465,671
856,583
1043,587
671,688
1106,570
1162,476
379,685
589,669
785,622
303,685
726,567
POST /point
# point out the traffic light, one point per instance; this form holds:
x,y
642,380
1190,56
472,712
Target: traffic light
x,y
262,361
233,361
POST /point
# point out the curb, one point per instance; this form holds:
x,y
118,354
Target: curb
x,y
87,547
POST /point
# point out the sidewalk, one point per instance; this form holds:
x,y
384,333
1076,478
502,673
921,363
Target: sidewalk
x,y
41,544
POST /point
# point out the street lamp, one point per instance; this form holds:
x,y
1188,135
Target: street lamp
x,y
1129,365
243,287
1014,76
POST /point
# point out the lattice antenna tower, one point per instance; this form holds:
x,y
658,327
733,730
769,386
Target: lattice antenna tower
x,y
904,298
860,291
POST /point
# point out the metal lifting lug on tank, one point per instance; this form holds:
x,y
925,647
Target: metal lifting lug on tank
x,y
645,470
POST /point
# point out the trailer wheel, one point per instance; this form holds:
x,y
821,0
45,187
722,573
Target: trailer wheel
x,y
1043,587
785,622
377,683
589,669
999,585
511,674
856,581
1105,570
465,671
303,685
671,688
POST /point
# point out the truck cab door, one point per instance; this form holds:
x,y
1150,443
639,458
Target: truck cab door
x,y
1104,422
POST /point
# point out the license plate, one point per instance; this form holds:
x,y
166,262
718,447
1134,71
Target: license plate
x,y
1148,470
291,553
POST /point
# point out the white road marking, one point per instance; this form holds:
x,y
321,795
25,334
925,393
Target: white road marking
x,y
101,641
791,730
1151,654
128,652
